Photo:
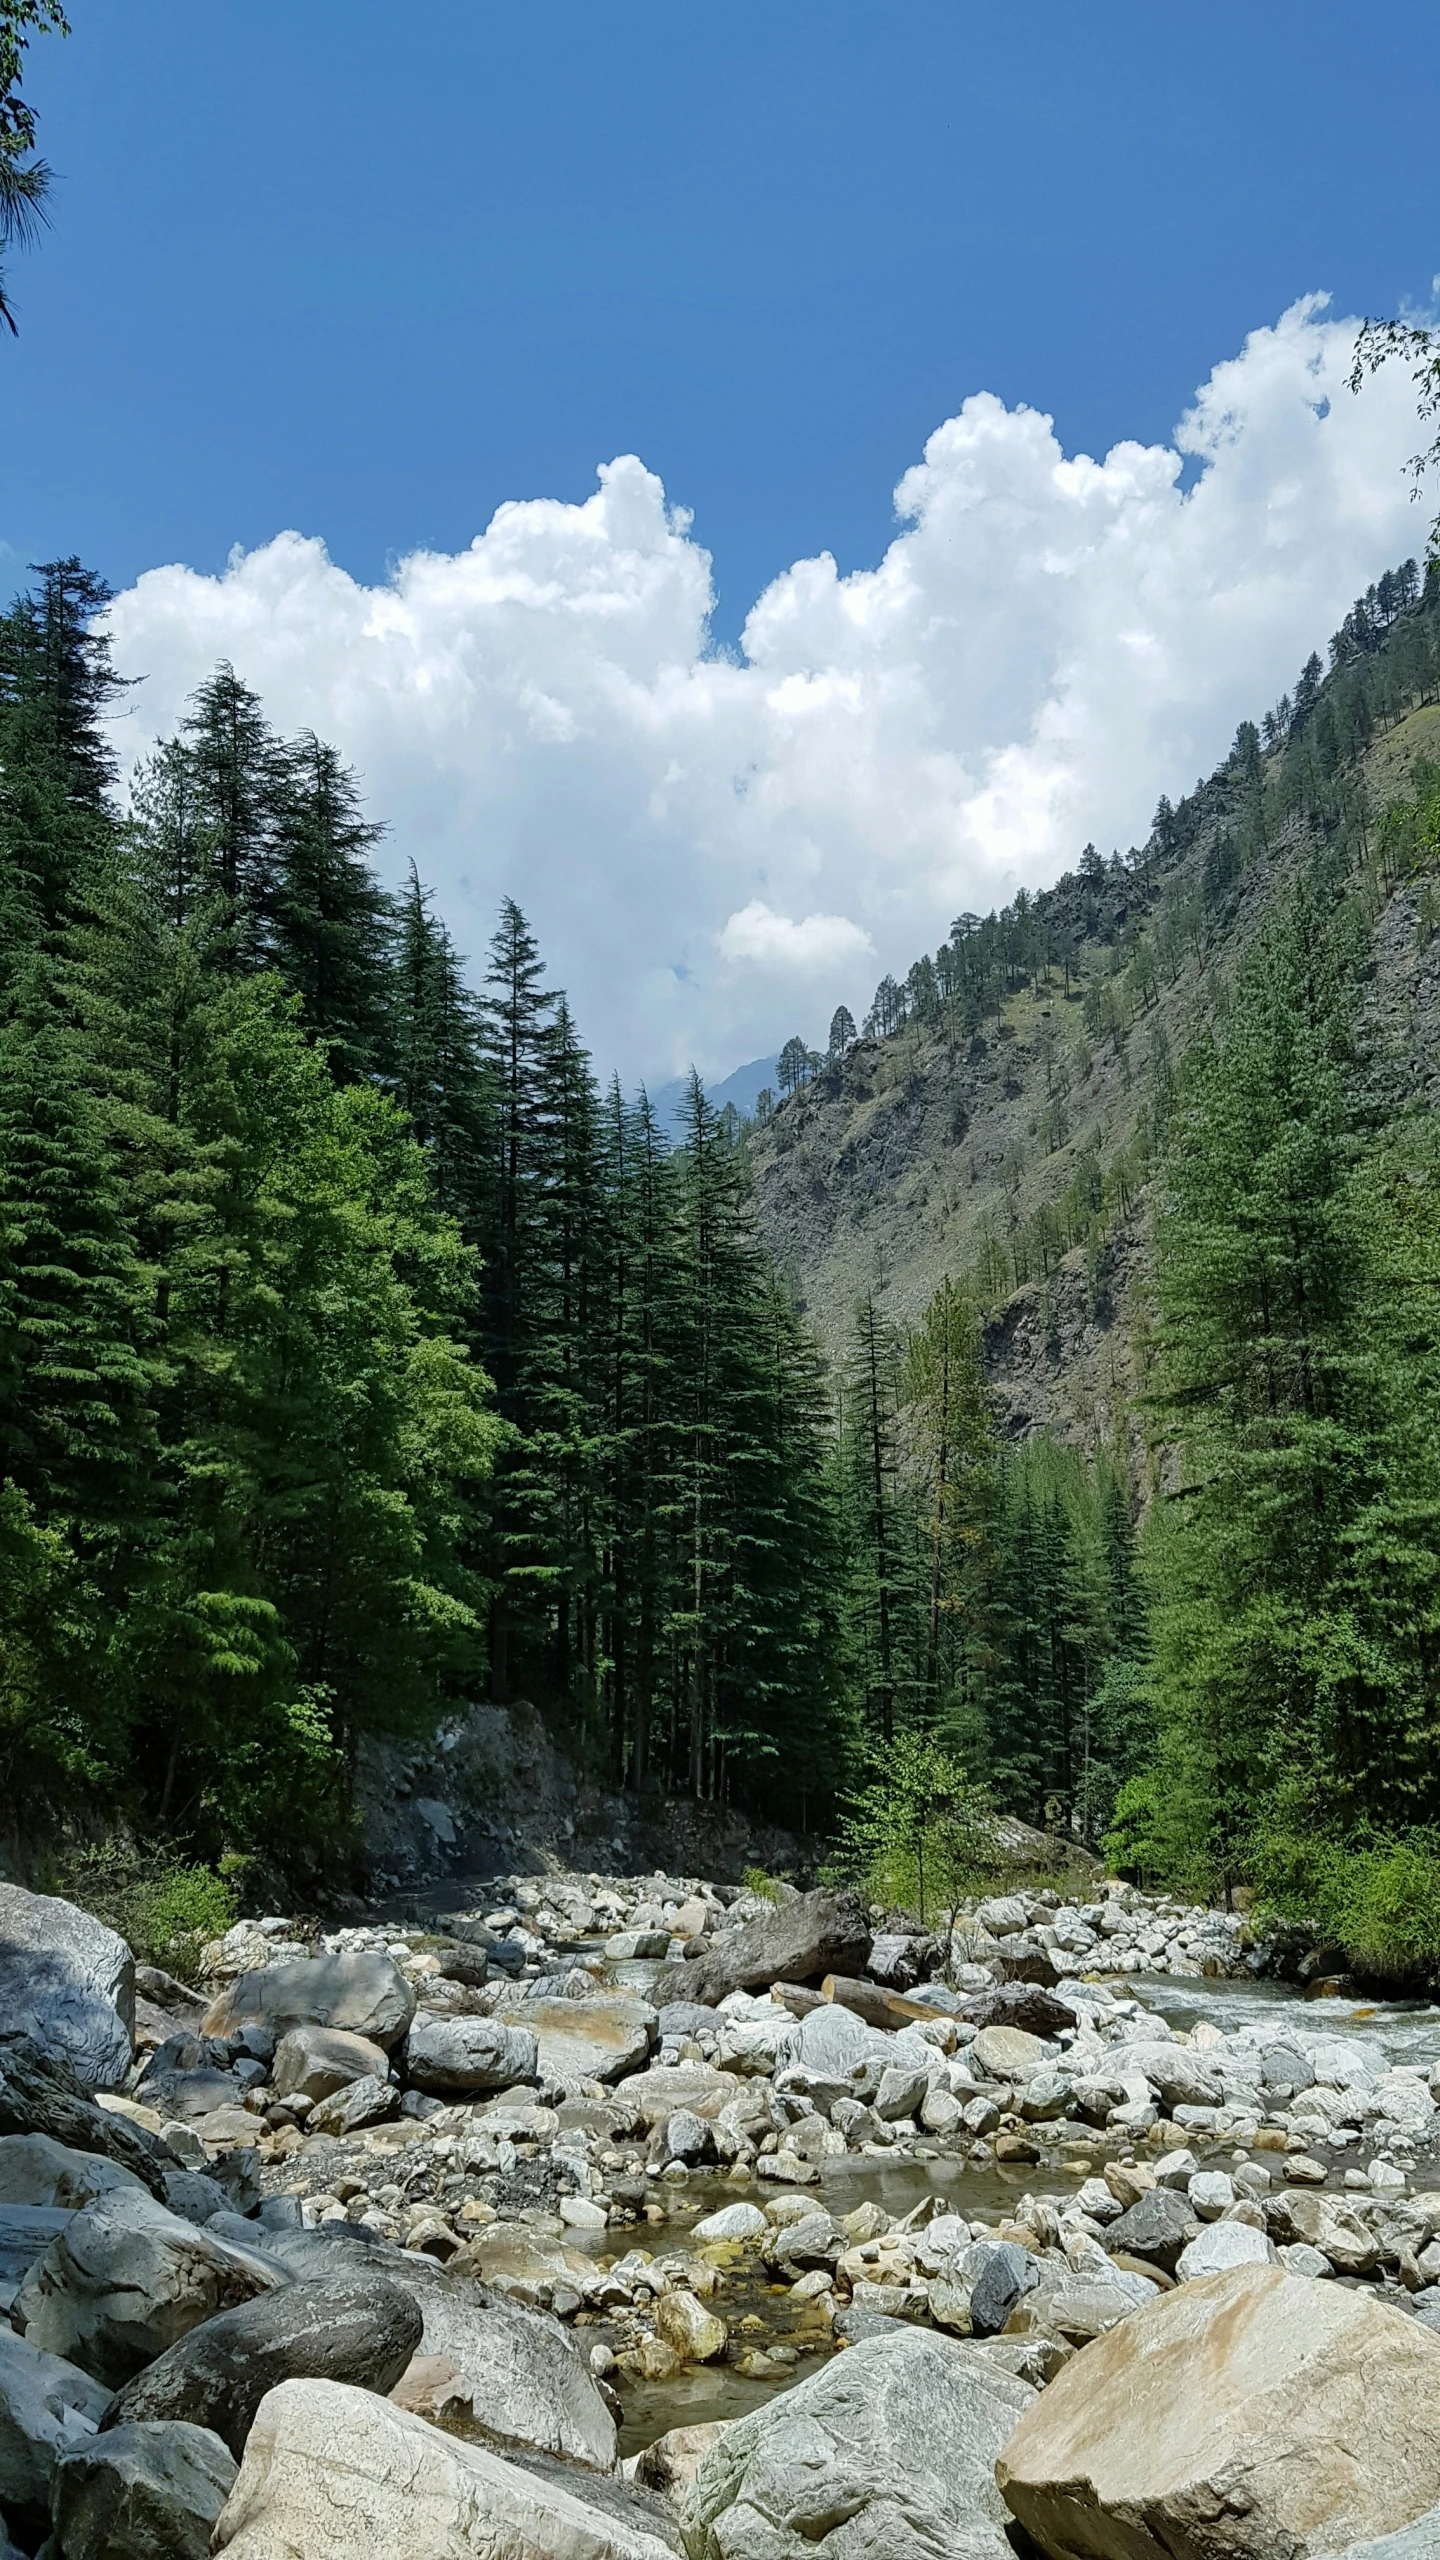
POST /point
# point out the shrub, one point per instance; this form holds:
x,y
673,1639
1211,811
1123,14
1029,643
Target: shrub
x,y
919,1835
165,1910
1377,1896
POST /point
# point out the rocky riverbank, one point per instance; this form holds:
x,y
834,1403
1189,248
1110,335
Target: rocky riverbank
x,y
385,2237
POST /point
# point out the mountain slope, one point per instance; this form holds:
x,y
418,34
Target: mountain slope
x,y
1004,1134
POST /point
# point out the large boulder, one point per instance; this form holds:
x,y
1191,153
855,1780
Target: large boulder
x,y
656,2093
36,2170
313,2062
26,2231
125,2279
1254,2415
355,2328
509,2377
337,2475
364,1993
143,2493
1027,2005
67,1981
467,2054
39,2093
578,2040
888,2453
484,2366
798,1941
46,2408
1180,2075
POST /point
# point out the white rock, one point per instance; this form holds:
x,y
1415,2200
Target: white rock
x,y
732,2222
1220,2246
335,2474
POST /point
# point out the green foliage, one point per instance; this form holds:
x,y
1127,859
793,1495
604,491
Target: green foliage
x,y
167,1912
759,1880
1376,1895
918,1833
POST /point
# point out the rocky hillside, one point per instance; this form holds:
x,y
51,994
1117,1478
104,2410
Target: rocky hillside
x,y
1016,1152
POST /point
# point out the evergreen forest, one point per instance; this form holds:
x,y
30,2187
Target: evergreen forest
x,y
362,1354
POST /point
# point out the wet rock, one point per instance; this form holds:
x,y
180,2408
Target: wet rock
x,y
47,2407
68,1982
887,2453
124,2280
468,2054
313,2062
143,2493
696,2334
817,1933
363,1992
337,2475
1282,2382
732,2222
354,2328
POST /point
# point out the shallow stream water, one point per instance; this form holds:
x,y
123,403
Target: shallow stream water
x,y
985,2190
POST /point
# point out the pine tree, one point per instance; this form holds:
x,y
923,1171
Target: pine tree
x,y
328,929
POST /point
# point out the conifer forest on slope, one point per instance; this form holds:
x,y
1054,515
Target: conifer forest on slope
x,y
360,1356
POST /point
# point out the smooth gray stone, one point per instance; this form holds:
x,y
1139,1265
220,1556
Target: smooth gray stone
x,y
141,2493
816,1933
353,2327
46,2408
363,1992
124,2280
69,1982
887,2453
998,2272
464,2054
1158,2226
39,2093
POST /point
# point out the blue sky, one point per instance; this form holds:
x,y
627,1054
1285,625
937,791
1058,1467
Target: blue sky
x,y
368,276
369,271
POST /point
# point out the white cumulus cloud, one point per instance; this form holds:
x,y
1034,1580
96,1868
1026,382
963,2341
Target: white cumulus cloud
x,y
807,949
714,849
